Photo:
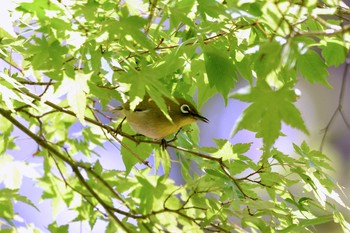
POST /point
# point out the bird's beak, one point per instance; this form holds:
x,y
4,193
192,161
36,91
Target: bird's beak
x,y
202,118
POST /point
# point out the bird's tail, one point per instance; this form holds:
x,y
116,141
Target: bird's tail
x,y
117,112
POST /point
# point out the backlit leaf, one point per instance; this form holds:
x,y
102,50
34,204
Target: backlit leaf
x,y
268,110
313,68
334,52
220,70
133,153
77,94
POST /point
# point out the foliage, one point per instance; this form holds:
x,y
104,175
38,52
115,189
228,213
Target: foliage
x,y
63,58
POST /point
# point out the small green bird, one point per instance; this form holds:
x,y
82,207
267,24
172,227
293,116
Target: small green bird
x,y
147,118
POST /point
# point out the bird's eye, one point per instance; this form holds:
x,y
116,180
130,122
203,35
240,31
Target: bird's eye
x,y
185,108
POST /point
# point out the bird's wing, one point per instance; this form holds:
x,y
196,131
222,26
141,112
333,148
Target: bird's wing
x,y
146,104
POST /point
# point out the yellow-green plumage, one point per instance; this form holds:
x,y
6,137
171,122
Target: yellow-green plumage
x,y
147,119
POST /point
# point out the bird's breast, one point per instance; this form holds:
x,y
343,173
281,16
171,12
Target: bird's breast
x,y
152,125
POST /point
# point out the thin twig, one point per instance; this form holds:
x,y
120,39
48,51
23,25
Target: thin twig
x,y
339,108
131,55
152,7
113,133
97,197
36,83
7,114
12,65
223,168
328,32
46,88
74,189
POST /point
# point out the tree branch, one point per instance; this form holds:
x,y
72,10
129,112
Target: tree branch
x,y
113,133
12,65
44,144
339,108
327,32
36,83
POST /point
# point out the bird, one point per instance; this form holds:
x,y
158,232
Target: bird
x,y
147,119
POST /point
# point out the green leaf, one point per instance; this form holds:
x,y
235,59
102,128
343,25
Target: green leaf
x,y
6,205
268,110
268,58
216,173
313,68
136,86
339,218
58,229
304,223
6,129
133,153
97,52
162,157
210,7
157,97
270,126
133,26
245,69
86,213
241,148
255,223
181,11
225,150
146,193
76,95
46,54
103,94
291,116
271,178
334,52
205,91
56,190
315,158
220,70
7,197
8,95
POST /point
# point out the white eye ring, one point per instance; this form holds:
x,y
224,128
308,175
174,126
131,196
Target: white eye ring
x,y
185,108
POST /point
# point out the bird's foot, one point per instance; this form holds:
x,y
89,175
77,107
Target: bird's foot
x,y
164,143
119,127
